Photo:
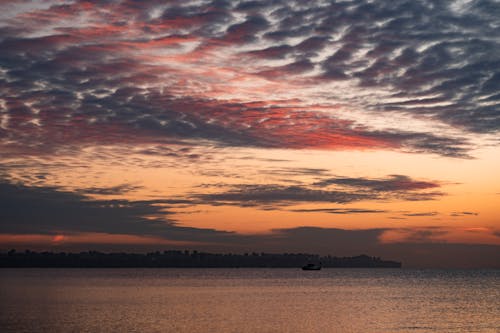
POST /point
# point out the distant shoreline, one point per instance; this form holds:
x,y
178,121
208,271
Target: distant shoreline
x,y
184,259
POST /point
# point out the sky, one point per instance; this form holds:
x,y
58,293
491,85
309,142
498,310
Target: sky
x,y
330,127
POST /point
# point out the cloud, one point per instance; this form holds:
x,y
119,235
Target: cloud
x,y
341,211
48,210
39,214
256,195
415,235
464,214
392,183
245,32
147,116
313,44
422,214
395,187
51,211
114,190
165,74
296,171
273,52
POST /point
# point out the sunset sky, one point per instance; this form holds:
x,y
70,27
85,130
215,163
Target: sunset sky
x,y
331,127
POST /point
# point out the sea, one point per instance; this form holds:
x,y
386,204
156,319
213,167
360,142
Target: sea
x,y
249,300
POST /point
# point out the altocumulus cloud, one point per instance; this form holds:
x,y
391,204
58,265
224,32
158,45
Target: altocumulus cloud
x,y
122,71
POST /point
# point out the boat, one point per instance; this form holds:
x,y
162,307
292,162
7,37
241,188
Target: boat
x,y
312,267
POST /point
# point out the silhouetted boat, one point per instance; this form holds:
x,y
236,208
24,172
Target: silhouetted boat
x,y
312,267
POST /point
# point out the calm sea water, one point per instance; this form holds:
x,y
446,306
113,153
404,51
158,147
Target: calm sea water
x,y
249,300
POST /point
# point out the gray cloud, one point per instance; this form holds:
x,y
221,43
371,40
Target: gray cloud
x,y
435,59
347,190
464,214
273,52
114,190
414,48
245,32
341,211
297,171
256,195
48,210
392,183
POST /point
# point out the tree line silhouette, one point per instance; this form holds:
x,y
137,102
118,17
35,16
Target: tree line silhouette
x,y
174,258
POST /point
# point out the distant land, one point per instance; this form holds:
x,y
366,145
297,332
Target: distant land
x,y
186,258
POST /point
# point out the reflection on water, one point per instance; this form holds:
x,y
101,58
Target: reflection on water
x,y
248,300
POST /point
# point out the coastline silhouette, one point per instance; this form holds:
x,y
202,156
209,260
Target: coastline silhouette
x,y
174,258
